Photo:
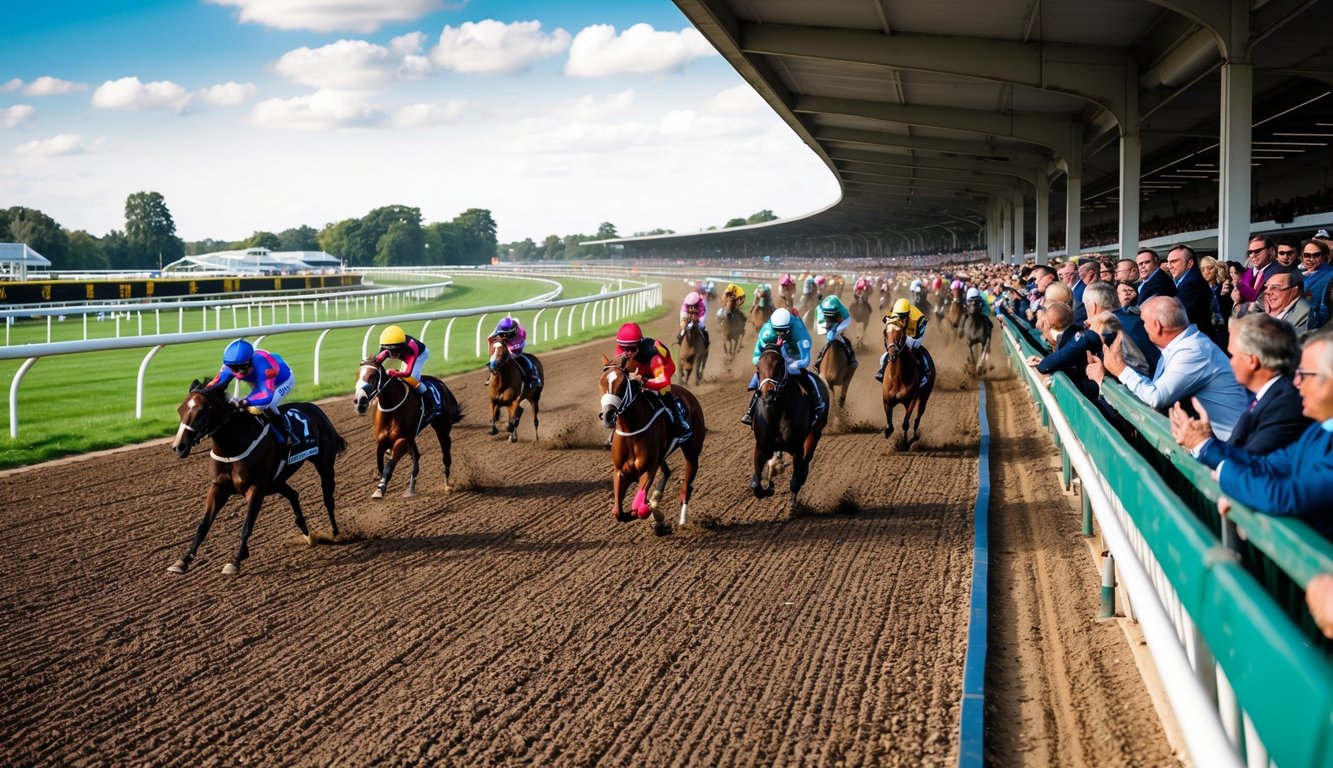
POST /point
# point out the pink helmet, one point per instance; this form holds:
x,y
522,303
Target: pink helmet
x,y
786,280
693,298
819,280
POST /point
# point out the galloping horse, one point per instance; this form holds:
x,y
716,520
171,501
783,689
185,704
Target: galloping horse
x,y
508,389
861,314
953,312
782,424
247,459
761,310
693,354
399,414
902,384
788,294
733,326
977,331
641,441
835,366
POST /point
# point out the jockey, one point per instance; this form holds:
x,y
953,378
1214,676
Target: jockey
x,y
694,310
269,378
976,301
733,291
786,281
861,285
763,294
820,281
833,320
905,315
413,354
651,360
957,285
918,291
787,330
808,285
710,288
510,332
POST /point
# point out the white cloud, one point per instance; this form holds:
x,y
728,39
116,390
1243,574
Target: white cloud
x,y
425,115
491,47
129,93
51,86
227,94
56,146
11,85
362,16
321,110
688,123
738,100
12,116
640,50
355,64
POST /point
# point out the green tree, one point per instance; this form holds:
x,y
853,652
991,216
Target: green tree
x,y
607,231
476,236
399,246
40,233
300,238
85,252
342,239
761,217
734,223
657,231
553,248
150,230
261,239
116,250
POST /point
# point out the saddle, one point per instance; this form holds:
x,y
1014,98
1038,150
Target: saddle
x,y
304,444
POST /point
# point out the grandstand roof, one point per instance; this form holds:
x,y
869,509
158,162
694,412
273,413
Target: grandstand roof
x,y
255,261
17,258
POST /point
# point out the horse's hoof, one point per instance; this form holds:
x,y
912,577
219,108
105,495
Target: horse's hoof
x,y
888,433
624,517
662,529
409,493
230,569
494,431
309,540
513,438
378,494
180,566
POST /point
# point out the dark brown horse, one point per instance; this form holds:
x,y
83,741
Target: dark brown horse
x,y
247,459
508,389
399,417
641,442
902,384
835,366
733,325
953,311
782,423
693,354
761,310
861,315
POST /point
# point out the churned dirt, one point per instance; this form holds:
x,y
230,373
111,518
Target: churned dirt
x,y
512,620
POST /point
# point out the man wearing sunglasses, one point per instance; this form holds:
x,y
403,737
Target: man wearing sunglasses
x,y
1318,280
270,380
1262,255
1283,300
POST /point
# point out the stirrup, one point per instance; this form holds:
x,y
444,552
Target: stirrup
x,y
748,418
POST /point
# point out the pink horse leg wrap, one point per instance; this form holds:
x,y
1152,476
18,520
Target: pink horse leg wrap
x,y
641,507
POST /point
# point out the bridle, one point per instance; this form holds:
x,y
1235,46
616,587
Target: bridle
x,y
199,433
382,380
780,382
893,349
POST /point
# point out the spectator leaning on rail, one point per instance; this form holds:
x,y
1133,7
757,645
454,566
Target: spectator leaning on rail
x,y
1264,353
1137,349
1072,346
1153,281
1190,365
270,380
1318,280
1283,300
1293,481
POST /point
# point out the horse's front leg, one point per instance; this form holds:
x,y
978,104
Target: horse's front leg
x,y
495,417
289,493
888,419
395,453
761,457
687,482
412,481
618,487
446,448
904,440
515,413
217,497
254,500
642,509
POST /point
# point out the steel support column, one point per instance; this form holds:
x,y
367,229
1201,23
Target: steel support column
x,y
1042,233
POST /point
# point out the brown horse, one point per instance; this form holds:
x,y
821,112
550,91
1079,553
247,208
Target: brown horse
x,y
693,354
641,441
953,311
788,294
835,366
399,414
761,310
733,325
861,315
902,384
508,389
782,423
248,459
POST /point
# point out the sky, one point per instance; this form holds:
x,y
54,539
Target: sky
x,y
252,115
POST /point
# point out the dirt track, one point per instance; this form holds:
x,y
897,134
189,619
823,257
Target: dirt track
x,y
510,621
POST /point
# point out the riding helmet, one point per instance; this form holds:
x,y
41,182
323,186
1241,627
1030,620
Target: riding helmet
x,y
819,280
902,307
239,352
629,335
693,298
830,305
973,293
507,325
392,336
781,320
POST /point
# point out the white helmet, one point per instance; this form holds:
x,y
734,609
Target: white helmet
x,y
916,285
973,293
781,319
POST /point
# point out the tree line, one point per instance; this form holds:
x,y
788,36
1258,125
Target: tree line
x,y
572,247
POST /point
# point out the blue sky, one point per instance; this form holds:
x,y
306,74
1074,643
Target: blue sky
x,y
265,114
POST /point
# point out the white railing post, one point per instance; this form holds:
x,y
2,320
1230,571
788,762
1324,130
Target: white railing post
x,y
318,344
480,320
583,318
365,342
555,327
14,396
138,386
48,329
536,326
448,331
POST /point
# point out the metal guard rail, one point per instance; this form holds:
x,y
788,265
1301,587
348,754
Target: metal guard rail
x,y
1272,688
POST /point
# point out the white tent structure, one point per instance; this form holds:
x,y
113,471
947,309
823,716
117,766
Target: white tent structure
x,y
255,261
17,258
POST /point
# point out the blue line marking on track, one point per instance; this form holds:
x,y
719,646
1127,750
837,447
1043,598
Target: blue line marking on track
x,y
972,721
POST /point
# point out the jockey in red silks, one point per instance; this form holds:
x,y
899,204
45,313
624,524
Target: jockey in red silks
x,y
651,361
694,310
268,375
861,285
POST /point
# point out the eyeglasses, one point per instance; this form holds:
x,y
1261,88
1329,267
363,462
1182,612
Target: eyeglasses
x,y
1300,375
1311,256
1276,288
1253,251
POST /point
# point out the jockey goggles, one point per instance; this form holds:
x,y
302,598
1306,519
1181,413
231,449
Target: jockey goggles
x,y
240,370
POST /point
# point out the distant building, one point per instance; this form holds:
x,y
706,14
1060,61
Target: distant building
x,y
256,261
17,258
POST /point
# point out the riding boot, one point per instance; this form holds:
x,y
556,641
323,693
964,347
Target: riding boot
x,y
429,406
680,417
279,424
748,418
707,340
851,353
923,357
680,335
883,361
816,397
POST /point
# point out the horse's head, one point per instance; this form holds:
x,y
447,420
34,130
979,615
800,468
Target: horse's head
x,y
499,355
772,372
895,338
614,387
203,412
733,303
370,379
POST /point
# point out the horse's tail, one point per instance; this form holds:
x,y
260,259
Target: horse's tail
x,y
339,443
456,415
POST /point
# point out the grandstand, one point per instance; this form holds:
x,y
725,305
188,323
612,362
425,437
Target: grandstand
x,y
256,261
17,258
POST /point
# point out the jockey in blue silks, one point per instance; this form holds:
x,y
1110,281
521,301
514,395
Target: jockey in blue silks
x,y
267,374
789,332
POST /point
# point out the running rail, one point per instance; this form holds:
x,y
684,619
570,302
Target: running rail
x,y
972,720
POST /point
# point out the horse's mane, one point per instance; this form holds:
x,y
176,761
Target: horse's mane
x,y
202,387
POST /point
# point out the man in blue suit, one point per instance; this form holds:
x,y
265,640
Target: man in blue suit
x,y
1191,288
1293,481
1318,276
1152,280
1073,343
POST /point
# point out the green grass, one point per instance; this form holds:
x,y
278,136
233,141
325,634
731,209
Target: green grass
x,y
70,404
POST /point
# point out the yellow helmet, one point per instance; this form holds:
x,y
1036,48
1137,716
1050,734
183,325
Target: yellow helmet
x,y
392,335
902,307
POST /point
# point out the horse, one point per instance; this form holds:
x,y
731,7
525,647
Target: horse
x,y
922,302
977,332
902,384
788,294
508,389
733,326
248,459
760,311
861,315
953,312
641,441
782,424
693,353
399,414
835,366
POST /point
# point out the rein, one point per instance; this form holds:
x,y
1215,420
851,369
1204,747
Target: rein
x,y
622,403
383,378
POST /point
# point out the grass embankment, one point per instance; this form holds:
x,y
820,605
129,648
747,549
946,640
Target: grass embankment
x,y
70,404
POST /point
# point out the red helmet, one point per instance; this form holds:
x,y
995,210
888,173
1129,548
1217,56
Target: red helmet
x,y
629,335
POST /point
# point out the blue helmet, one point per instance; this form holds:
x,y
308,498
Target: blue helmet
x,y
239,352
507,325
